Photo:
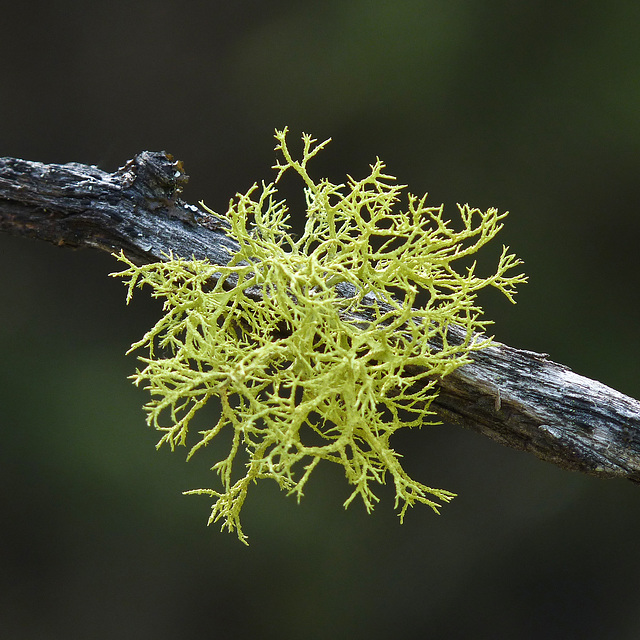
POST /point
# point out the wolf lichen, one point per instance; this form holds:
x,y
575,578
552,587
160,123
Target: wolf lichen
x,y
318,346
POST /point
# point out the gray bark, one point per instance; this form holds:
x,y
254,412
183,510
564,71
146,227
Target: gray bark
x,y
516,397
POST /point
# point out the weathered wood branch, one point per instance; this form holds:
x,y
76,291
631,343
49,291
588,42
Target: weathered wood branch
x,y
518,398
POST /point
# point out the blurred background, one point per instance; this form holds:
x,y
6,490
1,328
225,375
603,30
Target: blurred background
x,y
529,107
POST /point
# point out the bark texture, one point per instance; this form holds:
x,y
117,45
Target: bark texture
x,y
516,397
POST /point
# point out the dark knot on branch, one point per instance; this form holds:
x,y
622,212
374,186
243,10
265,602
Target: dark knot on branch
x,y
155,175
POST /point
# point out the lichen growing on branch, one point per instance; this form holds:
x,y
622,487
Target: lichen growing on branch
x,y
275,337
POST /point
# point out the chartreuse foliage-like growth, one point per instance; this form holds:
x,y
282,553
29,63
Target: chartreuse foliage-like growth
x,y
318,347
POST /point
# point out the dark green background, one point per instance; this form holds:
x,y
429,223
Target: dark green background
x,y
532,107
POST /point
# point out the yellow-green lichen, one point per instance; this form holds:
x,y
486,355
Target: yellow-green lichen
x,y
278,336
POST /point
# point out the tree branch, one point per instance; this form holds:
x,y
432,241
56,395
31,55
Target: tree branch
x,y
518,398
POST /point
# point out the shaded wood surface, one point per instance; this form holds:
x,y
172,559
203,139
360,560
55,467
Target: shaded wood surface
x,y
516,397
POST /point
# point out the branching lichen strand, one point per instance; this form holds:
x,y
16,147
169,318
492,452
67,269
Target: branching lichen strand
x,y
270,336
